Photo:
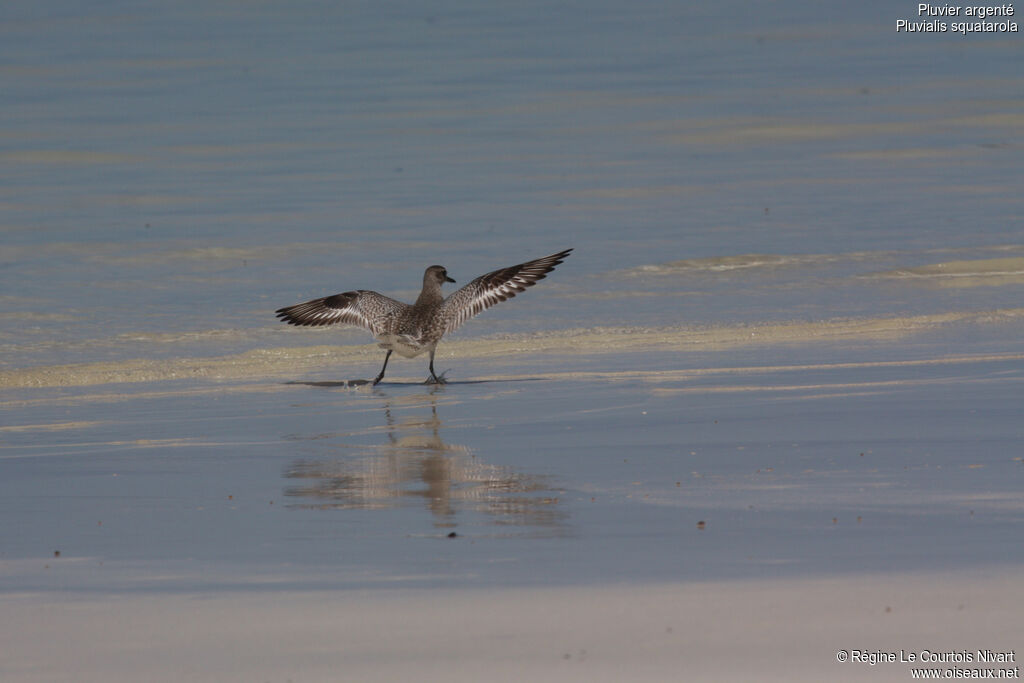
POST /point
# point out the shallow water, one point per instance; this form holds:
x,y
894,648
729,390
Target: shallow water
x,y
548,476
793,312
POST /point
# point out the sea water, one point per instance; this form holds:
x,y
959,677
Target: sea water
x,y
173,174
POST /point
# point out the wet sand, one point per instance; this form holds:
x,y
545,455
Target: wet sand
x,y
645,515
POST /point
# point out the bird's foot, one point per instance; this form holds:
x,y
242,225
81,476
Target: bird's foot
x,y
435,379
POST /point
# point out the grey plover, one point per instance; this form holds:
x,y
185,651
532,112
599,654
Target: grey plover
x,y
412,330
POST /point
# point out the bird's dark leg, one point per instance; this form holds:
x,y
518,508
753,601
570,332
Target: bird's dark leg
x,y
381,375
434,379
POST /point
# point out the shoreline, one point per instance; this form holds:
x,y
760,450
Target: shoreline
x,y
271,362
770,629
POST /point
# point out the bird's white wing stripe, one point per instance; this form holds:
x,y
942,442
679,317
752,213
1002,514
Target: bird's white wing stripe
x,y
495,287
362,308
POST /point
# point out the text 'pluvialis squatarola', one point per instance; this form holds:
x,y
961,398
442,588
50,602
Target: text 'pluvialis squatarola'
x,y
412,330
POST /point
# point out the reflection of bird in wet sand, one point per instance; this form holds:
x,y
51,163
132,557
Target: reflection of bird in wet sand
x,y
417,464
412,330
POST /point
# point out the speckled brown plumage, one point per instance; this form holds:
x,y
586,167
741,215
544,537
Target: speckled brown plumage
x,y
414,329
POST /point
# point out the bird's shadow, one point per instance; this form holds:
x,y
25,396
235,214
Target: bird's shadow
x,y
352,383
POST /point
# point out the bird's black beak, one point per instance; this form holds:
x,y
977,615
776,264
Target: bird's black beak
x,y
448,279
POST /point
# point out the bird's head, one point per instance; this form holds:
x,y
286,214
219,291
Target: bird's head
x,y
438,273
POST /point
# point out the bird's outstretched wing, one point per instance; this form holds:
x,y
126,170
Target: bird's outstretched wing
x,y
362,308
492,288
